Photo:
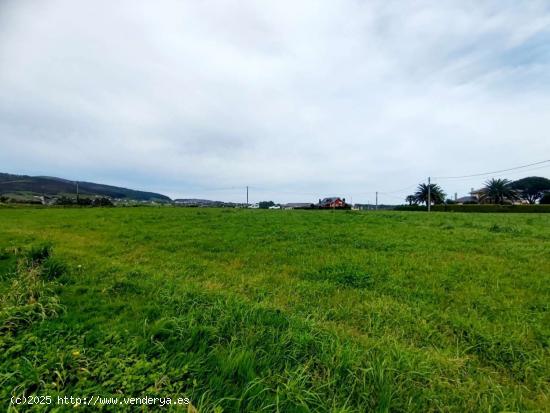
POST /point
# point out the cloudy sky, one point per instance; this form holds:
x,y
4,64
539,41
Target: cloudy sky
x,y
297,99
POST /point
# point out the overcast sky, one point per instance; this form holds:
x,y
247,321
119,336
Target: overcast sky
x,y
298,99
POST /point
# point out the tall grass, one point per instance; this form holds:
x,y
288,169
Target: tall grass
x,y
283,311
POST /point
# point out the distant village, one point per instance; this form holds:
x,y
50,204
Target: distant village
x,y
15,189
325,203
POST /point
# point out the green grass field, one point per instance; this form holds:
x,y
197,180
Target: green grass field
x,y
276,311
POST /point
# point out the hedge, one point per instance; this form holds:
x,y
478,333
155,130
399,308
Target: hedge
x,y
410,208
537,208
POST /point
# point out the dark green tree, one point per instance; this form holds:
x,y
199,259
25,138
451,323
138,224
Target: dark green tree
x,y
411,199
531,188
437,195
64,200
266,204
498,191
83,201
545,199
102,202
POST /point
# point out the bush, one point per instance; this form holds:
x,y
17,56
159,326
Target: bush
x,y
84,201
478,208
101,202
411,208
266,204
64,200
492,208
545,200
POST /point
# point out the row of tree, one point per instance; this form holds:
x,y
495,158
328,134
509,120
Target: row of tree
x,y
95,202
495,191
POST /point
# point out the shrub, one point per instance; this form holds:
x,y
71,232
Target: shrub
x,y
411,208
64,200
84,201
101,202
492,208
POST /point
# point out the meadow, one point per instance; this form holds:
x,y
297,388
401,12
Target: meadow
x,y
276,311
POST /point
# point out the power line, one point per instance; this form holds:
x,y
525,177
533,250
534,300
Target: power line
x,y
492,172
519,171
389,193
464,176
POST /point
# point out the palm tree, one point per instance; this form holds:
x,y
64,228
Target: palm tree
x,y
497,191
437,196
411,199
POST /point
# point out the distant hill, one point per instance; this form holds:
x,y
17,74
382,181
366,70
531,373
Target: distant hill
x,y
23,185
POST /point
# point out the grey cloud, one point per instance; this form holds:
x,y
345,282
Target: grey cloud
x,y
293,98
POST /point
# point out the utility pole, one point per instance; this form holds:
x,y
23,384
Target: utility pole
x,y
376,206
247,196
429,194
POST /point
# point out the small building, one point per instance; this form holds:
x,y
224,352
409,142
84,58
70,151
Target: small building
x,y
333,203
467,200
477,195
46,200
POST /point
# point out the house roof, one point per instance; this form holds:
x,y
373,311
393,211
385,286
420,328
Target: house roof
x,y
330,199
467,199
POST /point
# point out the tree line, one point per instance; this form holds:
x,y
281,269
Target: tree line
x,y
494,191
